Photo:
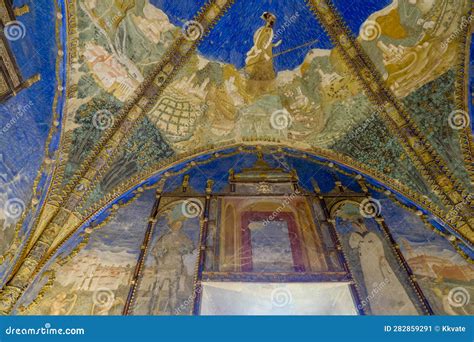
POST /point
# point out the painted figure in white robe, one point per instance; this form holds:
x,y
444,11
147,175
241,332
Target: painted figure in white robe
x,y
385,293
169,253
259,61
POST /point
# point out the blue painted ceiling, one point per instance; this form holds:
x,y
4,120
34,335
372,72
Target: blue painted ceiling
x,y
232,37
30,111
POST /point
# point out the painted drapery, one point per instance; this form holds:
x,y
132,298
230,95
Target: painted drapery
x,y
166,283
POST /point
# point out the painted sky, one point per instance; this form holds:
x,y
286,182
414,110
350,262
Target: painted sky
x,y
232,37
355,12
31,108
126,230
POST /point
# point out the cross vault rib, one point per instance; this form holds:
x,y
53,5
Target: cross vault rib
x,y
429,163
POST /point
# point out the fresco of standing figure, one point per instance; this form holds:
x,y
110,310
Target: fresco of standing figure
x,y
259,62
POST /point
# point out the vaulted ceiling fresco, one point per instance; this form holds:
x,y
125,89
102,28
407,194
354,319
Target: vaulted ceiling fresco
x,y
124,93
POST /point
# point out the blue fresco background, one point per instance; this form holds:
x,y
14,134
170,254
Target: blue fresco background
x,y
232,37
22,145
26,118
355,12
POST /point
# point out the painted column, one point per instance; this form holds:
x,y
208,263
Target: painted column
x,y
143,249
202,251
401,259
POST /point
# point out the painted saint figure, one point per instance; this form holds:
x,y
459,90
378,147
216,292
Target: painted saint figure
x,y
168,253
259,61
385,293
